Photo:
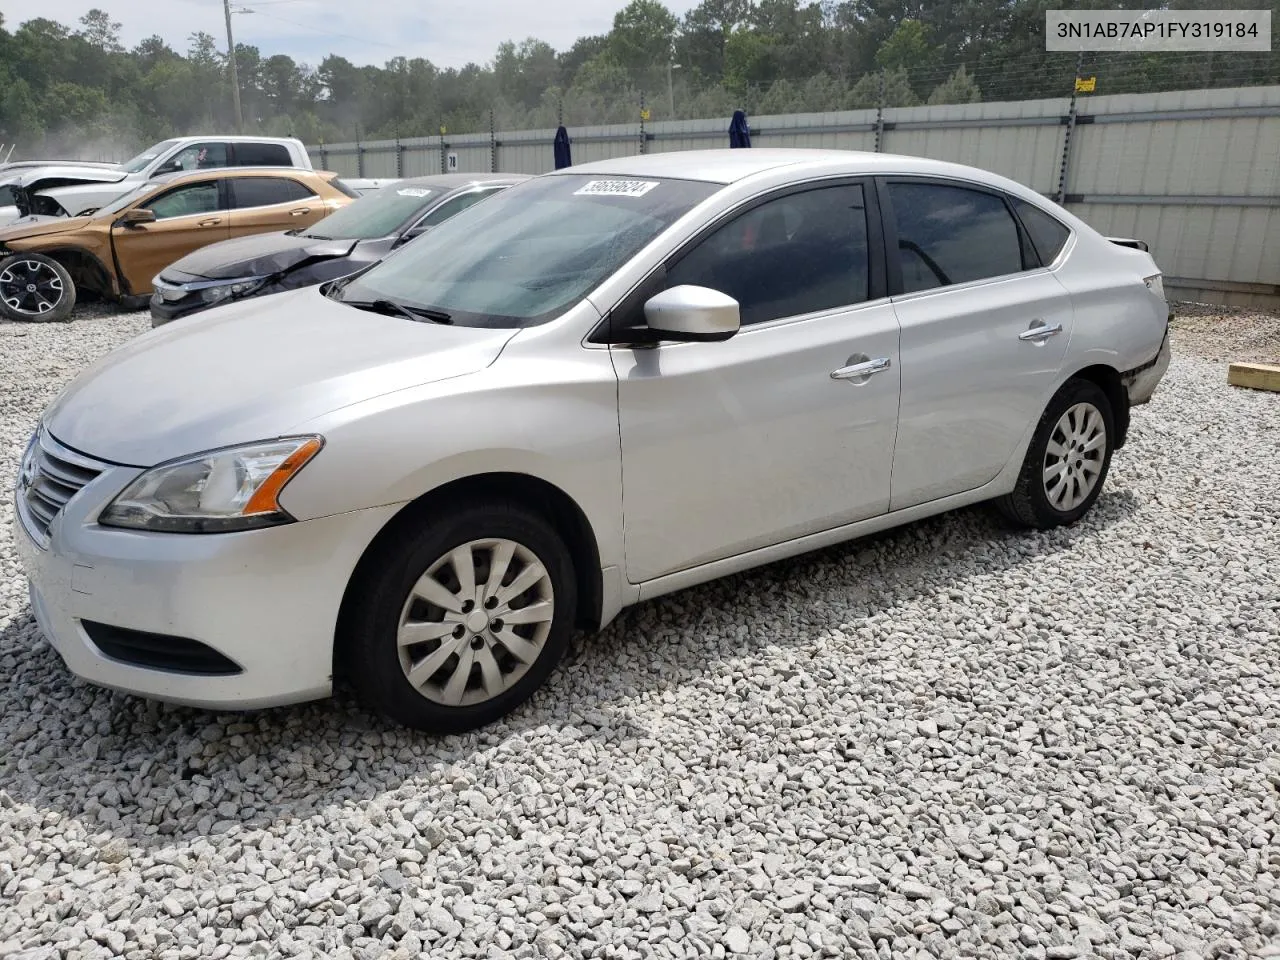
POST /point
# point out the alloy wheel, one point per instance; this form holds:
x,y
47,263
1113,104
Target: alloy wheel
x,y
1074,456
475,622
30,287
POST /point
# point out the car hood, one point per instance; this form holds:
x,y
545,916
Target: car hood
x,y
252,371
32,177
37,226
260,255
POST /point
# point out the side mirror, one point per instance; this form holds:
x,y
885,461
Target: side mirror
x,y
137,216
170,166
692,313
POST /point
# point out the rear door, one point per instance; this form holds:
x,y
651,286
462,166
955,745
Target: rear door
x,y
187,217
266,204
984,333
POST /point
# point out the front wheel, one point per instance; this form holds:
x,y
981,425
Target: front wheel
x,y
1067,461
456,625
37,288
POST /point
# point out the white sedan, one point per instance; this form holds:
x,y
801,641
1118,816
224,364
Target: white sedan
x,y
602,385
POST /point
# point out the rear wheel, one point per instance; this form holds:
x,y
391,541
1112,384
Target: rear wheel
x,y
455,626
1067,461
36,288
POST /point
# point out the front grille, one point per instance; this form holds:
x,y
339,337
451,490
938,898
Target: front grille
x,y
50,476
158,651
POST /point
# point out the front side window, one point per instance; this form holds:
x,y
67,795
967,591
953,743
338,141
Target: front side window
x,y
186,201
531,252
798,254
952,235
198,156
1047,235
265,191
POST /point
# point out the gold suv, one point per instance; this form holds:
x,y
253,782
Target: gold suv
x,y
115,251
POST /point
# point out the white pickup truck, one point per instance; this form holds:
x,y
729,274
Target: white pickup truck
x,y
62,188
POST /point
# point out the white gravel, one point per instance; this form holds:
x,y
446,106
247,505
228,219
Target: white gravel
x,y
949,741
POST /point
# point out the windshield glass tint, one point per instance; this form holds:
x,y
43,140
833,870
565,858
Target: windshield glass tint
x,y
376,215
141,161
529,253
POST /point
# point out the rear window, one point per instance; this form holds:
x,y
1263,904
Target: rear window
x,y
1047,234
262,155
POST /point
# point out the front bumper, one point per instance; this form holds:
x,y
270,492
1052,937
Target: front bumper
x,y
266,599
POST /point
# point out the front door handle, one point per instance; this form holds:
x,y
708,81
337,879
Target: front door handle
x,y
1038,332
299,212
211,222
862,369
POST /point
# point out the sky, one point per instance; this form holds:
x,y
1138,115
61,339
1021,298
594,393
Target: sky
x,y
449,34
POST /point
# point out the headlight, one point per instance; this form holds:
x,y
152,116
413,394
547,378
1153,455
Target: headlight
x,y
236,488
228,290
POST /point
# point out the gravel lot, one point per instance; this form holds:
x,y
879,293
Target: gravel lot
x,y
948,741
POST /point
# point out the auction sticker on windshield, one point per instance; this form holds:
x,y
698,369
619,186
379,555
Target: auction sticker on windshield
x,y
616,188
414,192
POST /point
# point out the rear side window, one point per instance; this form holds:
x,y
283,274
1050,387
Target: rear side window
x,y
265,191
798,254
1047,234
261,155
952,235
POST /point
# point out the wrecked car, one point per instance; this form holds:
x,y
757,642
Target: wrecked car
x,y
351,239
46,262
75,188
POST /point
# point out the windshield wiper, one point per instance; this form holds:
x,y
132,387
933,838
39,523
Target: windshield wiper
x,y
393,308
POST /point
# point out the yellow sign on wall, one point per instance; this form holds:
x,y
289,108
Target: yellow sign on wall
x,y
1086,84
644,114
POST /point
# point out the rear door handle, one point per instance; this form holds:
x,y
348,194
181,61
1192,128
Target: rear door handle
x,y
1038,332
299,212
211,222
861,370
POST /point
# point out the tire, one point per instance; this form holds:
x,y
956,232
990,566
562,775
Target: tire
x,y
402,590
1077,428
35,289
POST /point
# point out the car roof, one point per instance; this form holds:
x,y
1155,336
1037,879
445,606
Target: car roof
x,y
219,173
452,181
729,165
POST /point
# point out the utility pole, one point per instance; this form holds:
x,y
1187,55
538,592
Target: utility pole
x,y
235,77
671,91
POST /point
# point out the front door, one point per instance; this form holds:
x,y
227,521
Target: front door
x,y
268,204
187,218
984,334
729,447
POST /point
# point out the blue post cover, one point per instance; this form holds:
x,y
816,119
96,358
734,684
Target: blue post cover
x,y
739,132
563,157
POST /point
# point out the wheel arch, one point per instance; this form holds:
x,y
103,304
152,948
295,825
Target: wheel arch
x,y
88,273
1108,380
539,495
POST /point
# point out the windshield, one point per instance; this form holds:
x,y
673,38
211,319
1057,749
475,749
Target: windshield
x,y
141,161
122,201
376,215
532,251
